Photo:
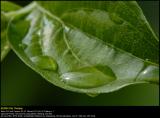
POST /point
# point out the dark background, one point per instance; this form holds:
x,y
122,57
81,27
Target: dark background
x,y
22,86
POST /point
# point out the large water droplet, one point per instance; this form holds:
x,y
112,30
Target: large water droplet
x,y
45,62
89,77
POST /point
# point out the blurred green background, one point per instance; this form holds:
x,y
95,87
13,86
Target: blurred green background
x,y
22,86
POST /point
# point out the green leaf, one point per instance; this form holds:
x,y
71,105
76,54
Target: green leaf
x,y
8,6
77,48
4,43
5,8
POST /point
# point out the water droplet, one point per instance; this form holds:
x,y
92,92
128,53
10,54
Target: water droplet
x,y
45,62
116,19
89,77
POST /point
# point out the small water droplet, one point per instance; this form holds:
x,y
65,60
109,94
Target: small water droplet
x,y
45,62
89,77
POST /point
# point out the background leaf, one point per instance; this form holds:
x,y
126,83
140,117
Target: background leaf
x,y
5,7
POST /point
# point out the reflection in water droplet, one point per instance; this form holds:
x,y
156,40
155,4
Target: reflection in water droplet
x,y
89,77
44,62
